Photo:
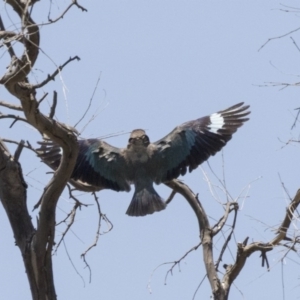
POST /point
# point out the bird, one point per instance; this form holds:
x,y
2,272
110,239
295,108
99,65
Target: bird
x,y
143,163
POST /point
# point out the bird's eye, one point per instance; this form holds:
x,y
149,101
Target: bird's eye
x,y
130,140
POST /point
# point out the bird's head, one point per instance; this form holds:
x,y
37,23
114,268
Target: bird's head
x,y
138,137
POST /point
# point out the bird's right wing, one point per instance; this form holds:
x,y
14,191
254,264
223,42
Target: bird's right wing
x,y
98,163
193,142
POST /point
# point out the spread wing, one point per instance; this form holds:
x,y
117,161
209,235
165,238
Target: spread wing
x,y
98,163
193,142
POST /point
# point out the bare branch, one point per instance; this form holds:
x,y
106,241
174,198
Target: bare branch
x,y
170,198
205,235
52,111
43,97
177,262
5,34
296,118
10,116
296,45
198,287
278,37
19,68
79,6
19,150
174,263
74,2
71,217
218,227
287,220
73,264
245,251
224,247
83,255
11,106
282,84
52,77
90,102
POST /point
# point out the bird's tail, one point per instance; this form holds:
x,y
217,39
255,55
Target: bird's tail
x,y
144,202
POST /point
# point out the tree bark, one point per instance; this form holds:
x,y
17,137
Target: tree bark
x,y
35,244
13,191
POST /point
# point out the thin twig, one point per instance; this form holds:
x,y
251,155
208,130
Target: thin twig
x,y
295,43
228,238
73,264
296,119
284,187
230,206
27,146
52,77
53,107
278,37
283,84
11,116
170,198
174,263
19,150
7,43
282,280
198,287
11,106
90,102
43,97
220,181
177,262
264,259
74,2
83,255
70,216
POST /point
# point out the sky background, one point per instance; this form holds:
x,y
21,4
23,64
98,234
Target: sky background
x,y
162,63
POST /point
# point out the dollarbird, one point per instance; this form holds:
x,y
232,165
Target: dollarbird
x,y
143,163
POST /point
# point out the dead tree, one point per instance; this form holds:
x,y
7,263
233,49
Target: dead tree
x,y
36,244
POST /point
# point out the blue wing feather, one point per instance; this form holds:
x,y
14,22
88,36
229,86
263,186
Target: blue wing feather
x,y
192,143
98,163
101,164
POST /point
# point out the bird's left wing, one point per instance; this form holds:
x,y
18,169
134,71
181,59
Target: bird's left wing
x,y
98,163
193,142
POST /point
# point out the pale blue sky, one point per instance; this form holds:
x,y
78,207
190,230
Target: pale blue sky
x,y
163,63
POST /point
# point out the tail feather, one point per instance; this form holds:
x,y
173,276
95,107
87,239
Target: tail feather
x,y
145,202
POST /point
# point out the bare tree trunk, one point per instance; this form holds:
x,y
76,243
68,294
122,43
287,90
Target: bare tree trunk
x,y
35,244
13,197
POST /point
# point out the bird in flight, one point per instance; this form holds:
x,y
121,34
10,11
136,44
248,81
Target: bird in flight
x,y
142,163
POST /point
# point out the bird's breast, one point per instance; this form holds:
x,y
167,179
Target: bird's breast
x,y
137,155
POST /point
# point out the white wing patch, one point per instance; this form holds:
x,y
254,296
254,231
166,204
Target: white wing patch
x,y
217,122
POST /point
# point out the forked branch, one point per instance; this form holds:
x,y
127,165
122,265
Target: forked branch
x,y
206,235
220,289
244,250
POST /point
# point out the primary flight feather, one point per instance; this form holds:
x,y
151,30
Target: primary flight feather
x,y
141,163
